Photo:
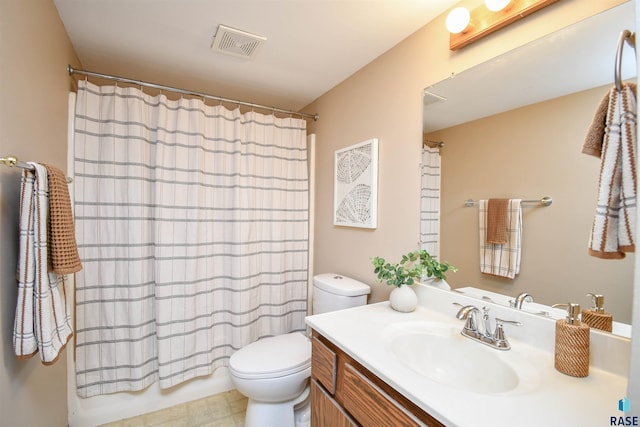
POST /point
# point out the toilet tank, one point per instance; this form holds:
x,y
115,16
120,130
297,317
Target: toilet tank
x,y
335,292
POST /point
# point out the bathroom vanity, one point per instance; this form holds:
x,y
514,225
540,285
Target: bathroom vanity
x,y
374,366
345,393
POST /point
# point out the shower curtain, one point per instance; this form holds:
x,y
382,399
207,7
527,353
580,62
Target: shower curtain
x,y
430,201
192,225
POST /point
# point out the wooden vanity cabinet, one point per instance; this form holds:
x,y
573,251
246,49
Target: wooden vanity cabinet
x,y
345,393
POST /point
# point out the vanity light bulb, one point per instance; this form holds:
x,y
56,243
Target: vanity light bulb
x,y
496,5
458,19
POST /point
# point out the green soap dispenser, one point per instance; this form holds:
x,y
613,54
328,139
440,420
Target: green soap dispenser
x,y
596,317
572,343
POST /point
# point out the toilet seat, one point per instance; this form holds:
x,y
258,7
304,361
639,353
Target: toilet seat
x,y
272,357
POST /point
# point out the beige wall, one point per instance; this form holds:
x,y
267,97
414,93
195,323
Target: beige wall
x,y
34,54
384,101
528,153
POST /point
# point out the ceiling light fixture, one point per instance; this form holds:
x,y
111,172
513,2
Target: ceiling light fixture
x,y
458,20
496,5
483,20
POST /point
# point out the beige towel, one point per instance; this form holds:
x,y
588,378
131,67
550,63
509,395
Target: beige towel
x,y
497,221
595,134
613,230
62,250
502,259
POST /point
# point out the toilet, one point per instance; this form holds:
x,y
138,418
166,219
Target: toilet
x,y
273,373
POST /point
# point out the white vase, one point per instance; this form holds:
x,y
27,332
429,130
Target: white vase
x,y
438,283
403,299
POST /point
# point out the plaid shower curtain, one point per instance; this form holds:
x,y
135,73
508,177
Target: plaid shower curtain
x,y
192,226
430,201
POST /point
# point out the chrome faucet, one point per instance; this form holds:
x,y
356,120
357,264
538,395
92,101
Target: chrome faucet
x,y
470,314
495,339
521,299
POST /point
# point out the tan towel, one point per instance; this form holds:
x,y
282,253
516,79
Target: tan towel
x,y
502,259
62,250
497,221
613,230
595,134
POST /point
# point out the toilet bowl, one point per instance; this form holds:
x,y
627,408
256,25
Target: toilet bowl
x,y
273,373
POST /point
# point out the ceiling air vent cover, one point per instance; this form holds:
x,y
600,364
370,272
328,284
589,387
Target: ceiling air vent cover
x,y
236,42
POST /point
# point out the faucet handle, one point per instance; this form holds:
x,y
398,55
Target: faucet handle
x,y
498,335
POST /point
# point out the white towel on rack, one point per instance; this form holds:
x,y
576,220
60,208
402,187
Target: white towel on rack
x,y
42,322
502,259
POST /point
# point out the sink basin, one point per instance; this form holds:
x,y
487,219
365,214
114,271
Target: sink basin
x,y
440,353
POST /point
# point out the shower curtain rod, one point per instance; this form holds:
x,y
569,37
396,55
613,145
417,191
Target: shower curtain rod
x,y
72,70
433,144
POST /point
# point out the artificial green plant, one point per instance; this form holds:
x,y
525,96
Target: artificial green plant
x,y
412,266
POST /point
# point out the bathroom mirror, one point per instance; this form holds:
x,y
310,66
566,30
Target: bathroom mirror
x,y
513,127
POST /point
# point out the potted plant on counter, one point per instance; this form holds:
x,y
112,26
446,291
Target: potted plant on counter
x,y
400,275
413,265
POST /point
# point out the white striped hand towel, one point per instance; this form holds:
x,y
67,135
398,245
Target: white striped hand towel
x,y
502,259
42,322
613,231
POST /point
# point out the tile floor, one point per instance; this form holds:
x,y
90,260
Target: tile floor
x,y
221,410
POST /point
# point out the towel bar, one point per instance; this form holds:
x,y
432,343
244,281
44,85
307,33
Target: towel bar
x,y
12,161
545,201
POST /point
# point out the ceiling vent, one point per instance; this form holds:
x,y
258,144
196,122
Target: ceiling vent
x,y
237,42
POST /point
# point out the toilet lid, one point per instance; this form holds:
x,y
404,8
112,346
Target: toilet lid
x,y
272,357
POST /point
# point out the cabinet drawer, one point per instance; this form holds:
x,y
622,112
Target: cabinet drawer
x,y
370,405
325,412
323,364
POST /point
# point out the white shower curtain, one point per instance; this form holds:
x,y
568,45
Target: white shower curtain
x,y
430,201
192,225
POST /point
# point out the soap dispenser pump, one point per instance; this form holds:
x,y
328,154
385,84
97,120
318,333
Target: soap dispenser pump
x,y
597,317
572,343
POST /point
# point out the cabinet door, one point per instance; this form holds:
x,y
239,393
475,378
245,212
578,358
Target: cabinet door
x,y
370,405
323,364
325,412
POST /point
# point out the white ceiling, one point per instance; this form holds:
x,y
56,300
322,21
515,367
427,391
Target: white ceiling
x,y
312,45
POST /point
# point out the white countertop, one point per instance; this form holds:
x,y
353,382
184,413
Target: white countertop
x,y
550,399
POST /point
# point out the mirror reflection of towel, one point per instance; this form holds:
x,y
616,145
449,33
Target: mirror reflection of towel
x,y
502,259
497,221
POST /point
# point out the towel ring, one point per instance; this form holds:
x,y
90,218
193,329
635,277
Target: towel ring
x,y
630,38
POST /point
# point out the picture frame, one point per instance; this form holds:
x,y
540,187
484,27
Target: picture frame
x,y
355,188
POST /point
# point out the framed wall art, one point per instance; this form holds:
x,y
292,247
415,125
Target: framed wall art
x,y
355,188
